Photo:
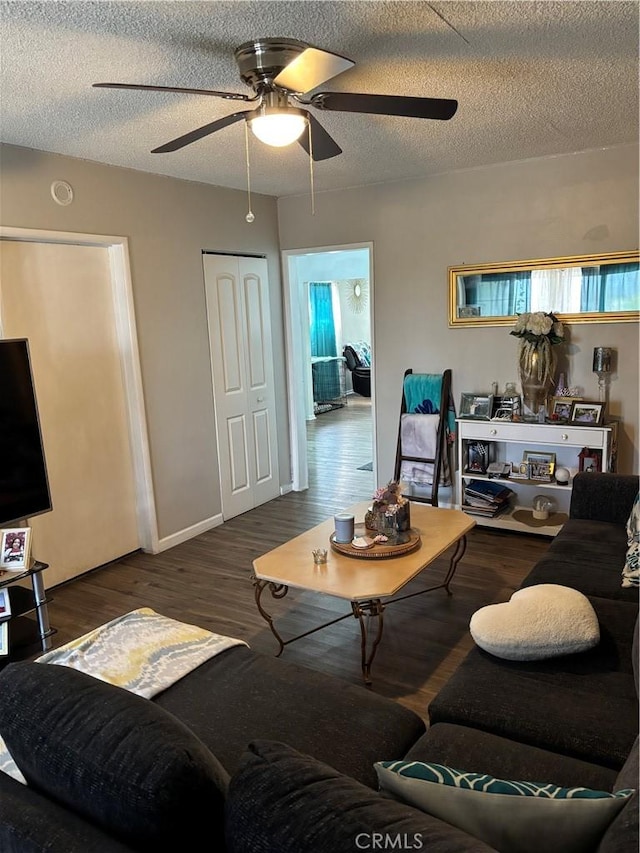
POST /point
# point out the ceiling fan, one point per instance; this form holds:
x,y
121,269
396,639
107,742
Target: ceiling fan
x,y
282,72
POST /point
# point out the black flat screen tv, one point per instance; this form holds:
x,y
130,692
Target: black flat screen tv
x,y
24,486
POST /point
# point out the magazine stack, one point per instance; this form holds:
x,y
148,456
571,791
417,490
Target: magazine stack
x,y
486,497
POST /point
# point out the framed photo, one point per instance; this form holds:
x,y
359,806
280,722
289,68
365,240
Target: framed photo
x,y
590,459
5,604
14,549
479,456
505,408
561,408
476,406
587,412
4,639
541,465
469,311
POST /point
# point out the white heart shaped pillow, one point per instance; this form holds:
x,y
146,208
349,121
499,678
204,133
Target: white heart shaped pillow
x,y
538,622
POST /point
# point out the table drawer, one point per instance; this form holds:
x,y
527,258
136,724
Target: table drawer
x,y
534,433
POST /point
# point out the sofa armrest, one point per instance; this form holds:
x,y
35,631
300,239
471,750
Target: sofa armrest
x,y
603,497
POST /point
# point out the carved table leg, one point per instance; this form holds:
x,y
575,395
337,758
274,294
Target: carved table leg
x,y
277,591
461,547
368,608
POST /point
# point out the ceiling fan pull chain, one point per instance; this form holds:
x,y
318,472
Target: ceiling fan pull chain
x,y
249,217
313,201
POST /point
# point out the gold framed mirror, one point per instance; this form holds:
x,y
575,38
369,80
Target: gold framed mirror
x,y
578,289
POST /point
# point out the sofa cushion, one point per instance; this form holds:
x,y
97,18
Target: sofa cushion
x,y
537,622
113,757
482,752
623,835
32,823
631,570
561,704
587,556
250,695
282,800
512,816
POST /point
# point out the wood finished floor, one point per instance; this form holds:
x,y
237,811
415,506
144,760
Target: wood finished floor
x,y
206,581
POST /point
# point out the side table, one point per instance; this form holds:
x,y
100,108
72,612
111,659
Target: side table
x,y
29,629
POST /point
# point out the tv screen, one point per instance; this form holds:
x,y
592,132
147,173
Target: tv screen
x,y
24,487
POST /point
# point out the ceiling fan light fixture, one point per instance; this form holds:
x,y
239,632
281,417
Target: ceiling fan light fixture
x,y
278,127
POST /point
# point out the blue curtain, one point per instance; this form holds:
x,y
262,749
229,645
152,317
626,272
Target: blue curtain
x,y
323,330
591,295
499,295
620,287
325,375
611,287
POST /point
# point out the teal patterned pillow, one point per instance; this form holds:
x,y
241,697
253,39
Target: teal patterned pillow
x,y
512,817
631,571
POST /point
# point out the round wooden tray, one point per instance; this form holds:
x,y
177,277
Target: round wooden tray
x,y
376,552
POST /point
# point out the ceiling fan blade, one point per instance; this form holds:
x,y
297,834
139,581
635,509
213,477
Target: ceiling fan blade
x,y
200,132
323,145
230,96
391,105
311,68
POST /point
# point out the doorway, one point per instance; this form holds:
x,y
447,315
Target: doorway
x,y
70,296
349,269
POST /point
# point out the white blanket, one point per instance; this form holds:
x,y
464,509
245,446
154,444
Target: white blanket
x,y
142,651
418,437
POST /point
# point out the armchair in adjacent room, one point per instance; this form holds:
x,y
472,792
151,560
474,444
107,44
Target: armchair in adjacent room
x,y
358,358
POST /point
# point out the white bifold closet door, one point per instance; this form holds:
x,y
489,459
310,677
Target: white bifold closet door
x,y
237,291
59,296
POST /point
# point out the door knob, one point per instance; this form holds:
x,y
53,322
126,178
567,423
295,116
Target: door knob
x,y
261,399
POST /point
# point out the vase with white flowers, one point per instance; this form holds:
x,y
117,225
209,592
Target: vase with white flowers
x,y
539,332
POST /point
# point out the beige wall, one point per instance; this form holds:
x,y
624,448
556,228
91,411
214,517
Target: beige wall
x,y
568,205
168,222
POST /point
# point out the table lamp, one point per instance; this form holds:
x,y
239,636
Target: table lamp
x,y
602,357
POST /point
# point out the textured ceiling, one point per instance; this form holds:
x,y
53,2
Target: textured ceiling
x,y
531,78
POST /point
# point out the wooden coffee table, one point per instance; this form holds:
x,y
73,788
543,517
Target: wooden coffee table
x,y
362,582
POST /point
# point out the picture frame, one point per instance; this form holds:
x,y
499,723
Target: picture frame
x,y
476,406
505,408
5,603
541,465
478,454
15,544
4,639
587,412
590,460
561,408
469,311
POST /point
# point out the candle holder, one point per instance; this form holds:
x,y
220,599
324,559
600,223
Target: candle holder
x,y
602,357
319,556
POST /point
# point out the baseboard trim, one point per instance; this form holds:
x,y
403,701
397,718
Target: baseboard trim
x,y
288,487
187,533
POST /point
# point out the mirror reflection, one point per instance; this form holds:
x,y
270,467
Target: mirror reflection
x,y
588,288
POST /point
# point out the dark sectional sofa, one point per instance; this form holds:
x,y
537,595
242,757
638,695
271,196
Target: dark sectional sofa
x,y
256,754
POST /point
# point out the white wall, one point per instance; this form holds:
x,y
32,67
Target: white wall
x,y
575,204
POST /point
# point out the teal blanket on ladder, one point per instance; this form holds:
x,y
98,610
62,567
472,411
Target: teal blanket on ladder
x,y
422,393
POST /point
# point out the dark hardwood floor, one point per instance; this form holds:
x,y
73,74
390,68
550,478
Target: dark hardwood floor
x,y
207,580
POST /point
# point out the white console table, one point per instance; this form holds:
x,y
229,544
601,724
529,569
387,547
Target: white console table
x,y
510,440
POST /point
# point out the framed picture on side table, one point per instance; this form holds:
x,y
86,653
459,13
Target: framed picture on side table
x,y
476,406
14,549
561,408
587,412
541,465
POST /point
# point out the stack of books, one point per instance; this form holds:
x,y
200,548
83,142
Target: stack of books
x,y
486,497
